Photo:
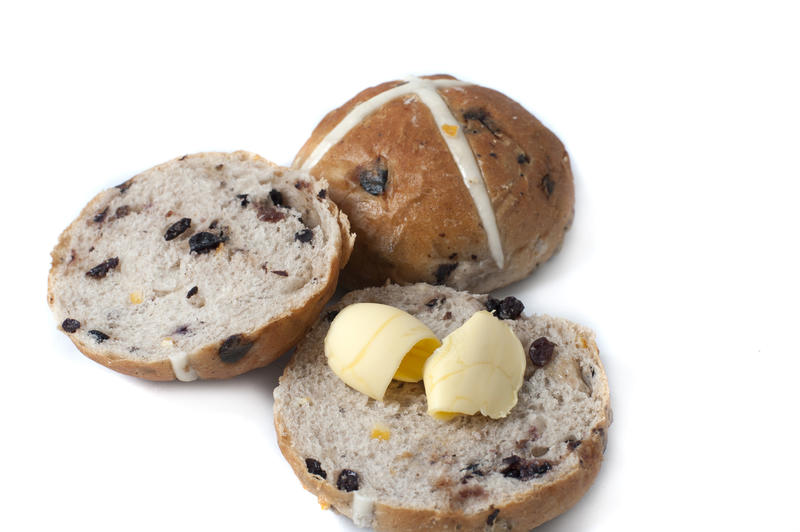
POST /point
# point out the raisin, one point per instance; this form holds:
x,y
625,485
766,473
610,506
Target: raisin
x,y
183,329
523,158
347,481
493,154
268,213
447,315
177,228
548,185
122,212
244,199
524,469
282,273
432,303
492,517
474,468
373,177
203,242
304,236
541,351
331,315
100,271
315,468
276,197
322,194
573,444
192,291
472,472
123,187
213,224
100,216
482,116
444,271
233,349
99,336
69,325
219,167
508,308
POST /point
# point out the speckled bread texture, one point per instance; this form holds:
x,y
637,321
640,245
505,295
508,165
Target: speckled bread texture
x,y
471,473
425,227
171,310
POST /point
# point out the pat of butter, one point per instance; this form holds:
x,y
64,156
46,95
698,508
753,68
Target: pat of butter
x,y
368,344
479,368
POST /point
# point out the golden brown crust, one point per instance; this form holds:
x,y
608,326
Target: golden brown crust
x,y
269,341
426,217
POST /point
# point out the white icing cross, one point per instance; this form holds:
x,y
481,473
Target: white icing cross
x,y
452,133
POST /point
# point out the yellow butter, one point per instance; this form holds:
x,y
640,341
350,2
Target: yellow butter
x,y
368,344
479,368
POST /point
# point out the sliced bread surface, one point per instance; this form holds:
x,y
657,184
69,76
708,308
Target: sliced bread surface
x,y
391,466
206,266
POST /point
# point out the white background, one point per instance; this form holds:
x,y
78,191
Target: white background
x,y
682,125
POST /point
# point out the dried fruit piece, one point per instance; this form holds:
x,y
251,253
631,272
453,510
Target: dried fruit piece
x,y
69,325
123,187
472,471
380,431
234,348
100,216
192,291
100,271
315,468
432,303
245,202
203,242
523,158
443,271
304,236
322,194
122,212
347,481
573,444
282,273
177,228
268,213
492,517
450,129
482,116
276,197
541,351
99,336
525,469
508,308
373,178
548,185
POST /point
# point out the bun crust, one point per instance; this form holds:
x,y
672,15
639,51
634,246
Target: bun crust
x,y
425,226
433,475
270,324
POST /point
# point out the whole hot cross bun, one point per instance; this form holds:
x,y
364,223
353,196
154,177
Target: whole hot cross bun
x,y
444,182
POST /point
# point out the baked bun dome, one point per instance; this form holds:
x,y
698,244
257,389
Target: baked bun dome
x,y
444,182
